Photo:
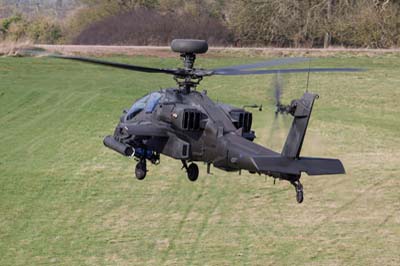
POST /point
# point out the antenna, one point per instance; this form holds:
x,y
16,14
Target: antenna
x,y
308,74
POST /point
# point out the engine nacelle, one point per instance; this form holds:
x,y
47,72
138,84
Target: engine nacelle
x,y
240,119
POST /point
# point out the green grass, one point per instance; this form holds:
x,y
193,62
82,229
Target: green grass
x,y
67,200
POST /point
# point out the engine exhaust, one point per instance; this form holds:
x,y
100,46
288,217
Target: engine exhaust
x,y
117,146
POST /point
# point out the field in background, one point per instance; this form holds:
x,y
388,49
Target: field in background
x,y
165,51
65,199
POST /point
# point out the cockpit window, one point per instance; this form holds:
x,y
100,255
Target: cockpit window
x,y
148,103
137,107
152,102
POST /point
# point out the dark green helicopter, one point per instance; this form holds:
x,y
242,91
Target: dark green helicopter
x,y
187,125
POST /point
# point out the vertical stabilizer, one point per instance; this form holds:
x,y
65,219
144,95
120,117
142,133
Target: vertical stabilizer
x,y
302,114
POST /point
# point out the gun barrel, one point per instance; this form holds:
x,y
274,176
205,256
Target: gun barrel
x,y
117,146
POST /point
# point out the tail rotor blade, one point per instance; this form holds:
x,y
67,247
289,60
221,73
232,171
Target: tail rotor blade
x,y
278,88
273,131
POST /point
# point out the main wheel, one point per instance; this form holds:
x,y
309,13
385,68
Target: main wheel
x,y
193,172
140,170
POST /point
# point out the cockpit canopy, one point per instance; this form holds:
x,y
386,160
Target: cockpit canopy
x,y
147,103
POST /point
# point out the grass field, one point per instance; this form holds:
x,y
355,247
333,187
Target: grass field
x,y
65,199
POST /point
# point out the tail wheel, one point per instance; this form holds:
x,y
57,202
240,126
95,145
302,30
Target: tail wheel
x,y
299,192
299,195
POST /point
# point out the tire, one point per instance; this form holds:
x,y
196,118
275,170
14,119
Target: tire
x,y
140,171
300,196
299,193
189,46
193,172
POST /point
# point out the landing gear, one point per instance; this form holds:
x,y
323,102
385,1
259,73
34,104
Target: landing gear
x,y
192,171
141,169
299,190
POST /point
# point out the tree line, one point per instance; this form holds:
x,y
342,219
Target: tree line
x,y
280,23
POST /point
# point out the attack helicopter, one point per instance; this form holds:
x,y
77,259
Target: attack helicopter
x,y
187,125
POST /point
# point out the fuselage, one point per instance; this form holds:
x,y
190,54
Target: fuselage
x,y
190,126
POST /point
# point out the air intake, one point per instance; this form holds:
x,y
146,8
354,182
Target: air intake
x,y
191,120
243,120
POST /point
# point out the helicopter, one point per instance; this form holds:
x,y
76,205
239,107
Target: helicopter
x,y
187,125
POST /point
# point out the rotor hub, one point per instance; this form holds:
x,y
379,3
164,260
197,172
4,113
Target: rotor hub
x,y
189,77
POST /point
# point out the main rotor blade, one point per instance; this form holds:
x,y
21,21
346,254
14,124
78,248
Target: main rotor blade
x,y
269,63
228,72
118,65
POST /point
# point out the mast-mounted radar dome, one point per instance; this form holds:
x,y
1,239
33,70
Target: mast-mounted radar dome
x,y
184,46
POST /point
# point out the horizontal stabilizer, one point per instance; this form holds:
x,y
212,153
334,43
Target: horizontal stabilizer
x,y
309,165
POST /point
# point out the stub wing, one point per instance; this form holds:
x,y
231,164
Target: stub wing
x,y
145,130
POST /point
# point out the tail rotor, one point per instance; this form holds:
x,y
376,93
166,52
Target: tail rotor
x,y
277,84
278,128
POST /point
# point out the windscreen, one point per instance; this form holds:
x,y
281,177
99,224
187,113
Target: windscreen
x,y
148,103
152,102
137,107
